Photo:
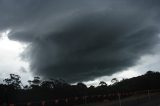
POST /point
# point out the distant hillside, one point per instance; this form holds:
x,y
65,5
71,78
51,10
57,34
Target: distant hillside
x,y
148,81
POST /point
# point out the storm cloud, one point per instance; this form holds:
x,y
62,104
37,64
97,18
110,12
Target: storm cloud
x,y
82,40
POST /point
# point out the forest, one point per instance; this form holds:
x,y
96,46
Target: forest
x,y
61,93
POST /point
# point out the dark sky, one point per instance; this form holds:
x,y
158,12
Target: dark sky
x,y
79,40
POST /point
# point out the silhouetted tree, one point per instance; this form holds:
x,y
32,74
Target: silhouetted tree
x,y
35,83
14,81
81,85
102,83
48,84
91,87
26,87
114,80
149,73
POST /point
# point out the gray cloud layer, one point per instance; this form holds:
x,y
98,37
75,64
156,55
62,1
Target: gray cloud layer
x,y
82,40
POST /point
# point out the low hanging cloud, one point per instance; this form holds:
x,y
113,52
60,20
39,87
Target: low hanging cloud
x,y
82,40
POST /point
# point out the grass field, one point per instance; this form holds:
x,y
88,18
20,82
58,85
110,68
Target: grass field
x,y
138,100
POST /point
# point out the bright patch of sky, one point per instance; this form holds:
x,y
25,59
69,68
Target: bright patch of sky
x,y
10,61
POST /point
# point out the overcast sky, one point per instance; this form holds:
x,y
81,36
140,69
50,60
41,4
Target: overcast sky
x,y
79,40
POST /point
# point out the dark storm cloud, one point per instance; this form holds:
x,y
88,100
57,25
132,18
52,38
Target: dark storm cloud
x,y
82,40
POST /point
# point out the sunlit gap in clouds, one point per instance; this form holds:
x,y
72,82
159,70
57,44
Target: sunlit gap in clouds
x,y
10,59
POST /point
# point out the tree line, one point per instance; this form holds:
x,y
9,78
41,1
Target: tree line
x,y
13,91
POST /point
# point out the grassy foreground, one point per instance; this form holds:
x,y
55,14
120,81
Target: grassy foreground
x,y
138,100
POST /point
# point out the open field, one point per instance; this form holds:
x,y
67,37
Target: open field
x,y
139,100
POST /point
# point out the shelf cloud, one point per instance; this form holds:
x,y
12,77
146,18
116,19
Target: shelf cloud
x,y
82,40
